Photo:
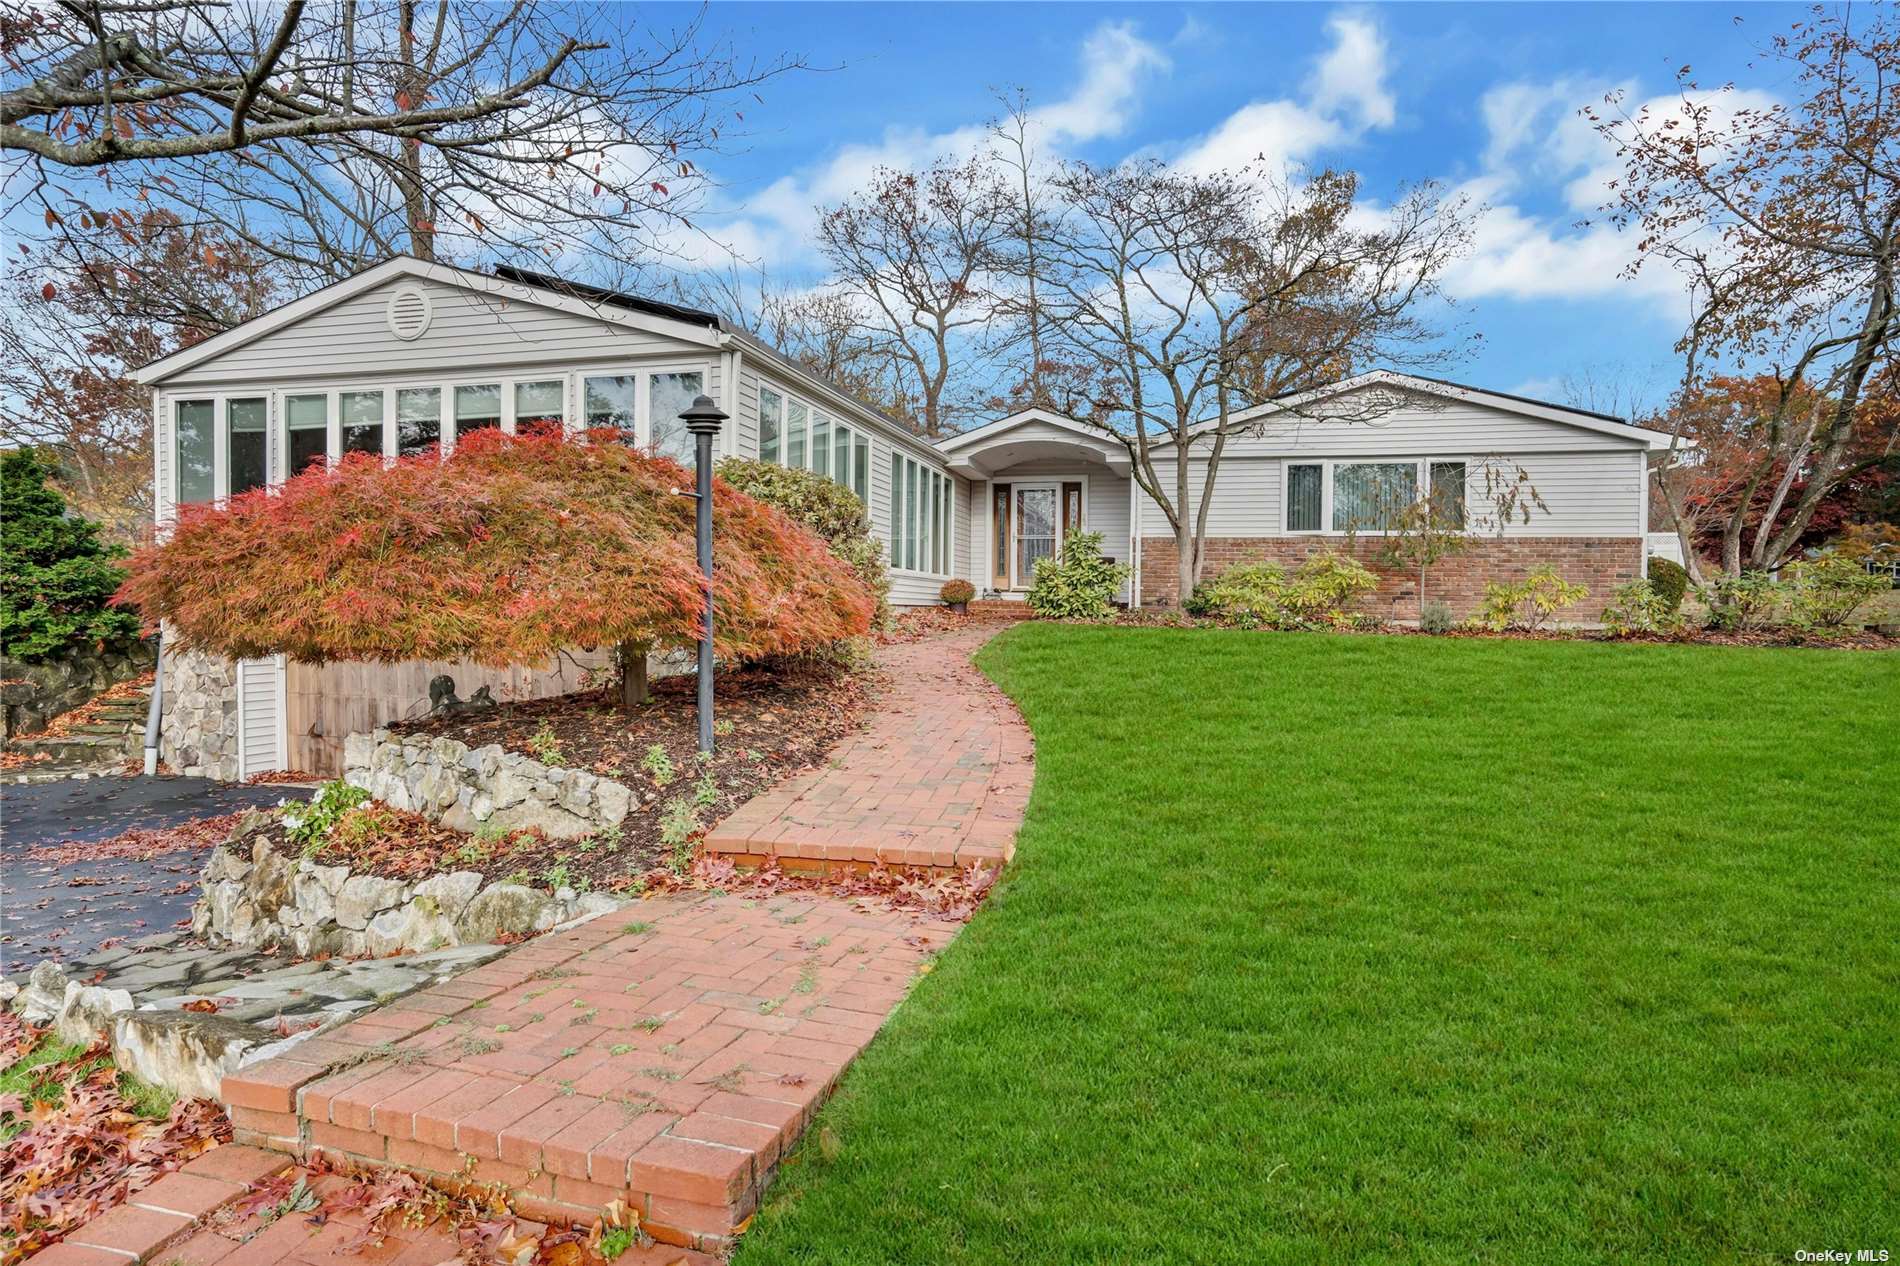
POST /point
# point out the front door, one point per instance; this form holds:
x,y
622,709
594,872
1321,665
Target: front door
x,y
1034,527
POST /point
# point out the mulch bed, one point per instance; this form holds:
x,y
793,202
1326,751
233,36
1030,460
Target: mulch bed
x,y
771,723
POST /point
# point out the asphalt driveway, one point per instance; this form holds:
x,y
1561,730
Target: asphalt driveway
x,y
60,898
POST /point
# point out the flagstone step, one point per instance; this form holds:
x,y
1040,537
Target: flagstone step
x,y
666,1056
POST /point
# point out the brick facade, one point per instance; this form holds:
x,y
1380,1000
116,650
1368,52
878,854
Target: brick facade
x,y
1600,563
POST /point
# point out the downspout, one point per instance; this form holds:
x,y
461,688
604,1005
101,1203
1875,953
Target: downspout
x,y
156,708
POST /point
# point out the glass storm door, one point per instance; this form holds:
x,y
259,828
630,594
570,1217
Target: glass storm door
x,y
1034,525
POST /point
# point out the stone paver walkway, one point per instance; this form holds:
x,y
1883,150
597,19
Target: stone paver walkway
x,y
938,778
665,1055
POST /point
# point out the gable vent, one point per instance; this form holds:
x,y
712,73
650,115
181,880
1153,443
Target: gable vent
x,y
408,313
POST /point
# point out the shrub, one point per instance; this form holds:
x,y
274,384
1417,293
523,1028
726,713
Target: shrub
x,y
1435,617
955,591
1825,592
825,506
1080,585
1669,580
56,575
1641,607
512,549
1261,595
309,825
1741,604
1529,603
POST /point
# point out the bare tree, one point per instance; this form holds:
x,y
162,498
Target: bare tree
x,y
1784,221
1196,297
913,253
331,136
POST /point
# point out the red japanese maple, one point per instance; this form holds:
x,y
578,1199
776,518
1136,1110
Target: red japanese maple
x,y
507,551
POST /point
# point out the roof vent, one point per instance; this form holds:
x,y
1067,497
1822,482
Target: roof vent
x,y
408,313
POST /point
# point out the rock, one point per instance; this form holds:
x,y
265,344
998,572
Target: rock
x,y
379,980
186,1052
552,820
452,892
331,877
415,926
447,961
612,801
154,976
593,904
357,750
270,881
225,864
86,1016
502,907
364,897
157,941
231,912
314,895
9,990
44,995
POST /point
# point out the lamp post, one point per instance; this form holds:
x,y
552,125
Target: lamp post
x,y
704,418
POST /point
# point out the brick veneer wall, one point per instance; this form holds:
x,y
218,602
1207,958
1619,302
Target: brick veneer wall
x,y
1600,563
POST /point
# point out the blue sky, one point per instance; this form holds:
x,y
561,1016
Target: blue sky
x,y
1480,97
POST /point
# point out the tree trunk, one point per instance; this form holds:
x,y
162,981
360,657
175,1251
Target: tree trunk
x,y
633,675
1188,562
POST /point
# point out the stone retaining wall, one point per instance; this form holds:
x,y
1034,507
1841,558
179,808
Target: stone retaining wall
x,y
31,694
466,788
256,894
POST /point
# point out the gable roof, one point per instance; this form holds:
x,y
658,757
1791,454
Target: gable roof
x,y
1565,415
671,325
997,427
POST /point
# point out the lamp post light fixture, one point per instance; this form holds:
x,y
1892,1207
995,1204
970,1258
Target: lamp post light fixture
x,y
704,418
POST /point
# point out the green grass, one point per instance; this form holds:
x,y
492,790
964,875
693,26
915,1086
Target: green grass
x,y
41,1076
1377,949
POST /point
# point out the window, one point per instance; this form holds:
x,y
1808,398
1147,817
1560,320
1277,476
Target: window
x,y
539,405
841,454
196,474
820,442
1368,496
771,419
1303,497
477,408
668,395
418,420
307,419
795,435
608,402
1448,493
246,443
861,472
921,518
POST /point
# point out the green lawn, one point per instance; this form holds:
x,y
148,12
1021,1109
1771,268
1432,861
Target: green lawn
x,y
1366,949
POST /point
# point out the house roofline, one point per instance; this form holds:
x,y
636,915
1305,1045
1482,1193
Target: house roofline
x,y
397,266
996,426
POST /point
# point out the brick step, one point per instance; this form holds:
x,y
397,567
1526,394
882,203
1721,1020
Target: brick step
x,y
665,1056
1000,609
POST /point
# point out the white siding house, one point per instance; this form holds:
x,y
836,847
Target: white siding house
x,y
409,354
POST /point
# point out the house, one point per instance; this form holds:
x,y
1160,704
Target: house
x,y
410,354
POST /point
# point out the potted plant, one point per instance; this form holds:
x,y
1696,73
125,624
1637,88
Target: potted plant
x,y
956,595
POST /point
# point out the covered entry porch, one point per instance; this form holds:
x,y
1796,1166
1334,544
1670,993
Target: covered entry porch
x,y
1038,478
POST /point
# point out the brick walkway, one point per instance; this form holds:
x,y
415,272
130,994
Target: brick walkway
x,y
939,777
666,1055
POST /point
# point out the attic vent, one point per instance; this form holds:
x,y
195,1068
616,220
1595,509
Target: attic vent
x,y
408,313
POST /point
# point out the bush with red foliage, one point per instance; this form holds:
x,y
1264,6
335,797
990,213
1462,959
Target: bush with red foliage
x,y
510,549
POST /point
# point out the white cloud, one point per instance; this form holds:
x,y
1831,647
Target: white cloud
x,y
1345,97
776,225
1350,78
1537,138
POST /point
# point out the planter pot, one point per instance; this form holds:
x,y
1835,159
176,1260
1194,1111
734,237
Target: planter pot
x,y
961,608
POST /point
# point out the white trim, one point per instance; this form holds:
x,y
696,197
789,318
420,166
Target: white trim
x,y
1642,508
443,274
987,431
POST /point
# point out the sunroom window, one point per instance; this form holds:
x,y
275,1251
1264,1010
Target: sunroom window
x,y
820,442
771,420
196,478
477,407
609,402
308,421
539,405
418,420
361,416
668,396
247,448
795,435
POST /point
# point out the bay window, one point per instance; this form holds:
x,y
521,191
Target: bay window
x,y
1367,497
